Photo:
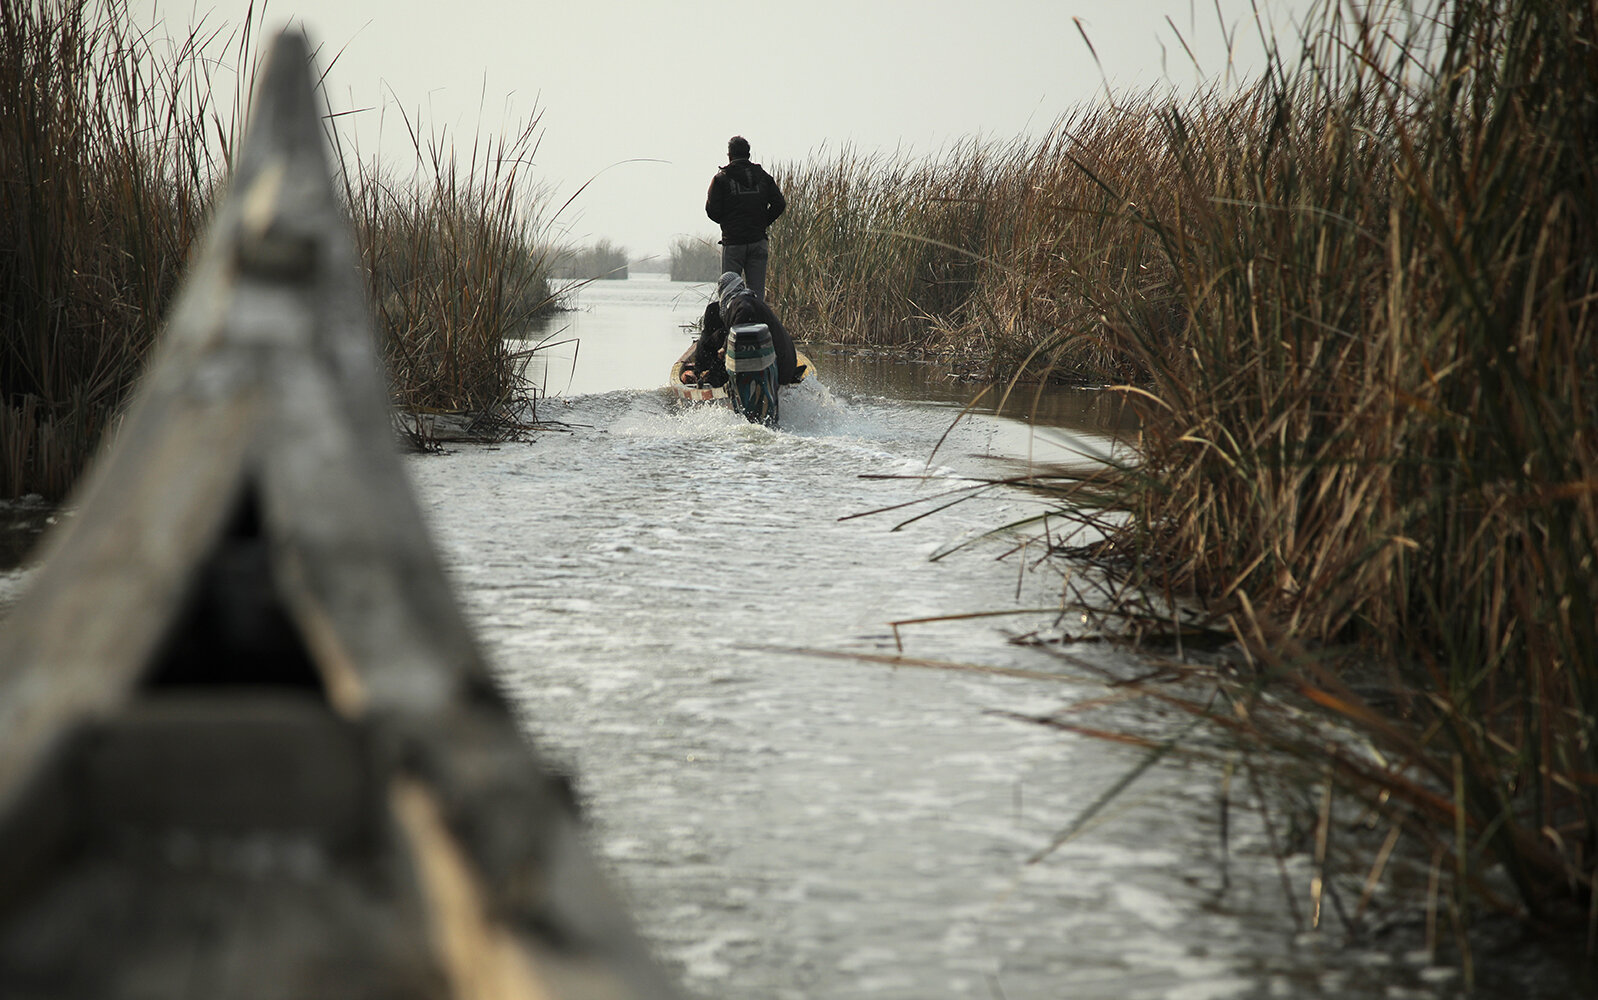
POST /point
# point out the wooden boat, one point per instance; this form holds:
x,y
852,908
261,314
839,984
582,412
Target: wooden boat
x,y
704,392
248,746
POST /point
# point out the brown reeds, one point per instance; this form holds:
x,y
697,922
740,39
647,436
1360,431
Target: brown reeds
x,y
973,254
1375,427
106,175
110,147
1357,302
457,263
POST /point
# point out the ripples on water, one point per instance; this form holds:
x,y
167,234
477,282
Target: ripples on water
x,y
666,593
671,599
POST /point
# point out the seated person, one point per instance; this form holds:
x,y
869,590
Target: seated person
x,y
708,364
738,305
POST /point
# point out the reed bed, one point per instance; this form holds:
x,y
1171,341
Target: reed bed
x,y
695,258
1357,304
106,174
458,271
112,147
1375,431
973,255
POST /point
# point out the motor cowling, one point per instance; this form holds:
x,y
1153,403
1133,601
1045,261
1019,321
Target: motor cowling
x,y
752,372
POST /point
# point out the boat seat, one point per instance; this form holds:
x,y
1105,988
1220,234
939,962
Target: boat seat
x,y
229,762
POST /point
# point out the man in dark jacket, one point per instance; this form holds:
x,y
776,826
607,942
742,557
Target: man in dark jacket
x,y
738,305
744,200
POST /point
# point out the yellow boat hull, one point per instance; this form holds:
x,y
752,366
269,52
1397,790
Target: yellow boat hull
x,y
705,393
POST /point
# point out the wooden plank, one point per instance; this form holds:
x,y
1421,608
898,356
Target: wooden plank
x,y
248,745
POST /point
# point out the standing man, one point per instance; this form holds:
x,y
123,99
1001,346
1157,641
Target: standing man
x,y
744,200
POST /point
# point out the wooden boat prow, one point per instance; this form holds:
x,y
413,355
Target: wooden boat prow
x,y
248,744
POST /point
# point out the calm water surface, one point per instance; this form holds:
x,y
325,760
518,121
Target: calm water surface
x,y
679,607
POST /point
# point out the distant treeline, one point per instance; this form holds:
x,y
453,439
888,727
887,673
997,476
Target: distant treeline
x,y
695,259
600,260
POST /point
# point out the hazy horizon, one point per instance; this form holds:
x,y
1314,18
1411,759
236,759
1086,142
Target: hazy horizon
x,y
637,100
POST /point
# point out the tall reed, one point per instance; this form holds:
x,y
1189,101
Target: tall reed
x,y
963,254
107,176
874,246
111,147
458,268
1356,304
1376,425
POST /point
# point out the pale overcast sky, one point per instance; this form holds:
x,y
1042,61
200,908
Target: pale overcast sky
x,y
671,80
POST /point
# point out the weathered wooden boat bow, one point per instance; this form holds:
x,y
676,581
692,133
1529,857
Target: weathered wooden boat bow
x,y
248,746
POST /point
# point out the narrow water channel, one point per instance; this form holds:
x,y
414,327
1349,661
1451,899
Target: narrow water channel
x,y
691,622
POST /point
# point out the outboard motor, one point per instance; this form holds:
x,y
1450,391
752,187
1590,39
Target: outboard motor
x,y
752,372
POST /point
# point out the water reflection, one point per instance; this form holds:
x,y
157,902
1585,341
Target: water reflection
x,y
1081,408
614,335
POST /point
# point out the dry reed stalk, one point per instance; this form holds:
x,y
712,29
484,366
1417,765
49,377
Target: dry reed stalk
x,y
457,262
105,144
456,267
112,147
1374,429
1355,302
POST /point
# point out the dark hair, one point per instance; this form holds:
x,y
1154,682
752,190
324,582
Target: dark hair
x,y
737,147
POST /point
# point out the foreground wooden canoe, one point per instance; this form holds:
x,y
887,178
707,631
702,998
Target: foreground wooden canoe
x,y
248,746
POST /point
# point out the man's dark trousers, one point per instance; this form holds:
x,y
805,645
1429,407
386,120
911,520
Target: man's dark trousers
x,y
749,260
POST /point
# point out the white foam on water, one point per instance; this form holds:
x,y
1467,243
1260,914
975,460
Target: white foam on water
x,y
12,583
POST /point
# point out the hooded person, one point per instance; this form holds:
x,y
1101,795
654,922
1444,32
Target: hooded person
x,y
735,305
744,200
